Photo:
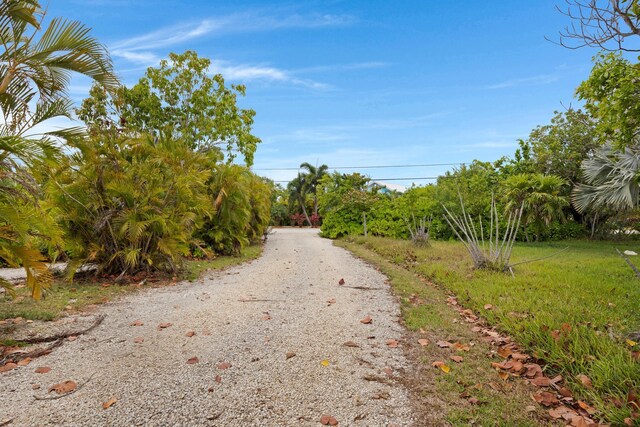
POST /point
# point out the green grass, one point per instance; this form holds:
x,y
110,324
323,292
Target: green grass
x,y
64,298
503,403
588,289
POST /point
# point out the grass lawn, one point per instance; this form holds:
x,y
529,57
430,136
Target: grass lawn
x,y
577,312
64,298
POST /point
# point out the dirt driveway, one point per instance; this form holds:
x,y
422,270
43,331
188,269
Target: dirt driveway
x,y
269,341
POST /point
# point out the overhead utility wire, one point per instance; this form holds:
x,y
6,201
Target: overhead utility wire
x,y
390,179
366,167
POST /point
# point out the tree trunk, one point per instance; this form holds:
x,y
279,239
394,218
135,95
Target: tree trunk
x,y
304,211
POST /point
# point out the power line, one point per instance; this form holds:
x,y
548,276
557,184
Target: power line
x,y
391,179
367,167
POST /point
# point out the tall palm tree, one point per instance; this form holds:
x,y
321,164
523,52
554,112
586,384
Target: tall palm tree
x,y
34,75
312,177
298,194
612,180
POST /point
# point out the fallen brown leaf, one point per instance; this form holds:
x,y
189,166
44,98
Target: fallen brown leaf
x,y
443,344
366,320
579,422
109,403
224,365
392,343
350,344
488,307
562,412
541,381
341,282
72,338
43,370
192,361
328,420
461,347
64,387
533,370
24,362
473,401
546,398
164,325
218,379
138,340
585,381
457,359
8,367
590,410
137,323
423,341
190,334
289,355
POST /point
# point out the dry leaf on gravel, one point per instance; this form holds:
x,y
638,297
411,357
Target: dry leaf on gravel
x,y
8,367
72,338
367,320
109,403
563,412
350,344
341,282
64,387
24,362
392,343
192,361
224,365
138,340
290,354
423,341
328,420
218,379
541,382
164,325
137,323
43,370
190,334
331,301
457,359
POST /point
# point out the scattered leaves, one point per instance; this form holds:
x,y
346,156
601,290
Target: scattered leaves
x,y
423,341
164,325
137,323
350,344
545,398
562,412
461,347
8,367
43,370
289,355
457,359
218,379
190,334
392,343
64,387
192,361
138,340
109,403
367,320
541,381
443,344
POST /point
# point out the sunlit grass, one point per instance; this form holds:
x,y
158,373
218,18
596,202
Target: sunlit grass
x,y
587,292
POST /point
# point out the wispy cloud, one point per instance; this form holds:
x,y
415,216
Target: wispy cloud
x,y
525,81
240,72
342,67
139,48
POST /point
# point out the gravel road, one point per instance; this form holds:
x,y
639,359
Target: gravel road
x,y
269,346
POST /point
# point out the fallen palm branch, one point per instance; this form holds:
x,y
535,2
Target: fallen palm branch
x,y
64,335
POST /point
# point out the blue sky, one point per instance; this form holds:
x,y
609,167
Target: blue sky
x,y
360,82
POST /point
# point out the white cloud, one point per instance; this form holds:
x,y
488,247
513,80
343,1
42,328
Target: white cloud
x,y
525,81
241,72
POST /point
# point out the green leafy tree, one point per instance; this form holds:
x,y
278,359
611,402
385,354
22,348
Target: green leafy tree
x,y
611,96
180,99
35,68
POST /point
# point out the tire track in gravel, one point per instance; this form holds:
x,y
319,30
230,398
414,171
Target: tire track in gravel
x,y
249,317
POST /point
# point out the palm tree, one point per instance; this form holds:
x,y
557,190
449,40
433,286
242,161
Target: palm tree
x,y
298,194
540,198
34,75
312,177
612,180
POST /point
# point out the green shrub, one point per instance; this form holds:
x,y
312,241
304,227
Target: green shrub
x,y
131,204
